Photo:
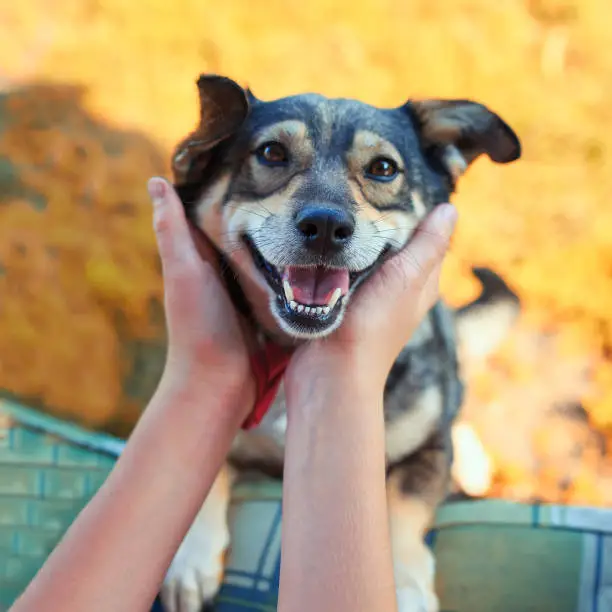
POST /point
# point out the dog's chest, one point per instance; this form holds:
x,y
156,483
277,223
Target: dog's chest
x,y
414,404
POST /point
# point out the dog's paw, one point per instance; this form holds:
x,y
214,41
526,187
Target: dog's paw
x,y
415,599
195,575
414,579
189,588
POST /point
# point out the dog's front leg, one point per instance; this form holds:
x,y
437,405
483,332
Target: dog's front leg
x,y
195,574
415,487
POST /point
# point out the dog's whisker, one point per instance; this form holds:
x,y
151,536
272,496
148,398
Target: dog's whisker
x,y
246,210
383,217
266,210
397,228
424,231
239,232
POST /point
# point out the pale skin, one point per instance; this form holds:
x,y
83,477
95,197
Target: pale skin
x,y
335,526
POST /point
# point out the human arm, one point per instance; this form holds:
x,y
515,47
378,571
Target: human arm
x,y
117,551
336,552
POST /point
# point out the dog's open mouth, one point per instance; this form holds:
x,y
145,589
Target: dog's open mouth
x,y
310,297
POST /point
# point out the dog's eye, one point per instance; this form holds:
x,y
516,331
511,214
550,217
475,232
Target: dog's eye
x,y
272,154
382,169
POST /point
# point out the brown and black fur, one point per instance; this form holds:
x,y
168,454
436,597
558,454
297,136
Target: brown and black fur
x,y
249,210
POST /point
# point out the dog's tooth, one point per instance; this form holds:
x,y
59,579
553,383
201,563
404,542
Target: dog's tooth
x,y
288,290
307,310
334,298
293,305
319,310
326,309
300,307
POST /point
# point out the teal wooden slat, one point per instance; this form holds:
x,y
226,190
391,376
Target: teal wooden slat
x,y
53,514
63,484
69,432
29,541
96,480
17,480
14,511
7,537
9,592
49,470
69,455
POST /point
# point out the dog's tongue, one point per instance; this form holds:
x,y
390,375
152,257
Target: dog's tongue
x,y
316,285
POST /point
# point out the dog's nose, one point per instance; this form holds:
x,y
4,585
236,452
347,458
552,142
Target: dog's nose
x,y
325,230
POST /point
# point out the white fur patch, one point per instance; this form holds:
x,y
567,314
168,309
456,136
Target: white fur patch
x,y
413,562
481,330
420,209
412,599
196,571
472,467
208,209
407,432
454,161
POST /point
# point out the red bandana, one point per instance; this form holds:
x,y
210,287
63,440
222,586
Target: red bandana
x,y
269,367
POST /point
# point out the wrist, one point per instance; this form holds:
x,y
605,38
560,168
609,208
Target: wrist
x,y
332,374
211,386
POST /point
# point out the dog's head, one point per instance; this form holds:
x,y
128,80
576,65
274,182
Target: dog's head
x,y
305,196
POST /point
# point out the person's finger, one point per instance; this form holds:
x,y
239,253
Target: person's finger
x,y
430,292
171,228
408,271
427,247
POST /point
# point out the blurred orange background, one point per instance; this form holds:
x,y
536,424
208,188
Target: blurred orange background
x,y
94,93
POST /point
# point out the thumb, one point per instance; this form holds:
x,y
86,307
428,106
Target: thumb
x,y
430,293
174,241
409,270
426,249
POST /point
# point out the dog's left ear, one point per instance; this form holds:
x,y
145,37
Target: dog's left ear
x,y
223,108
462,130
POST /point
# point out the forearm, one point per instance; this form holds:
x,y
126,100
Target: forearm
x,y
336,548
116,553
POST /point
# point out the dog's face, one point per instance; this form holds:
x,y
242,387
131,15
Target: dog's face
x,y
305,196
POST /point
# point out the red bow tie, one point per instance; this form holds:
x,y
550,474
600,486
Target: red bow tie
x,y
269,367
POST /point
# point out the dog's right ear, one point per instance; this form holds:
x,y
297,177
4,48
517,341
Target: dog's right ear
x,y
223,108
461,131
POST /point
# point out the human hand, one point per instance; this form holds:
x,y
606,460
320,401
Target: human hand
x,y
383,314
207,341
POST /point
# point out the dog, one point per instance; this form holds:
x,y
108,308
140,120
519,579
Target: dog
x,y
304,197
